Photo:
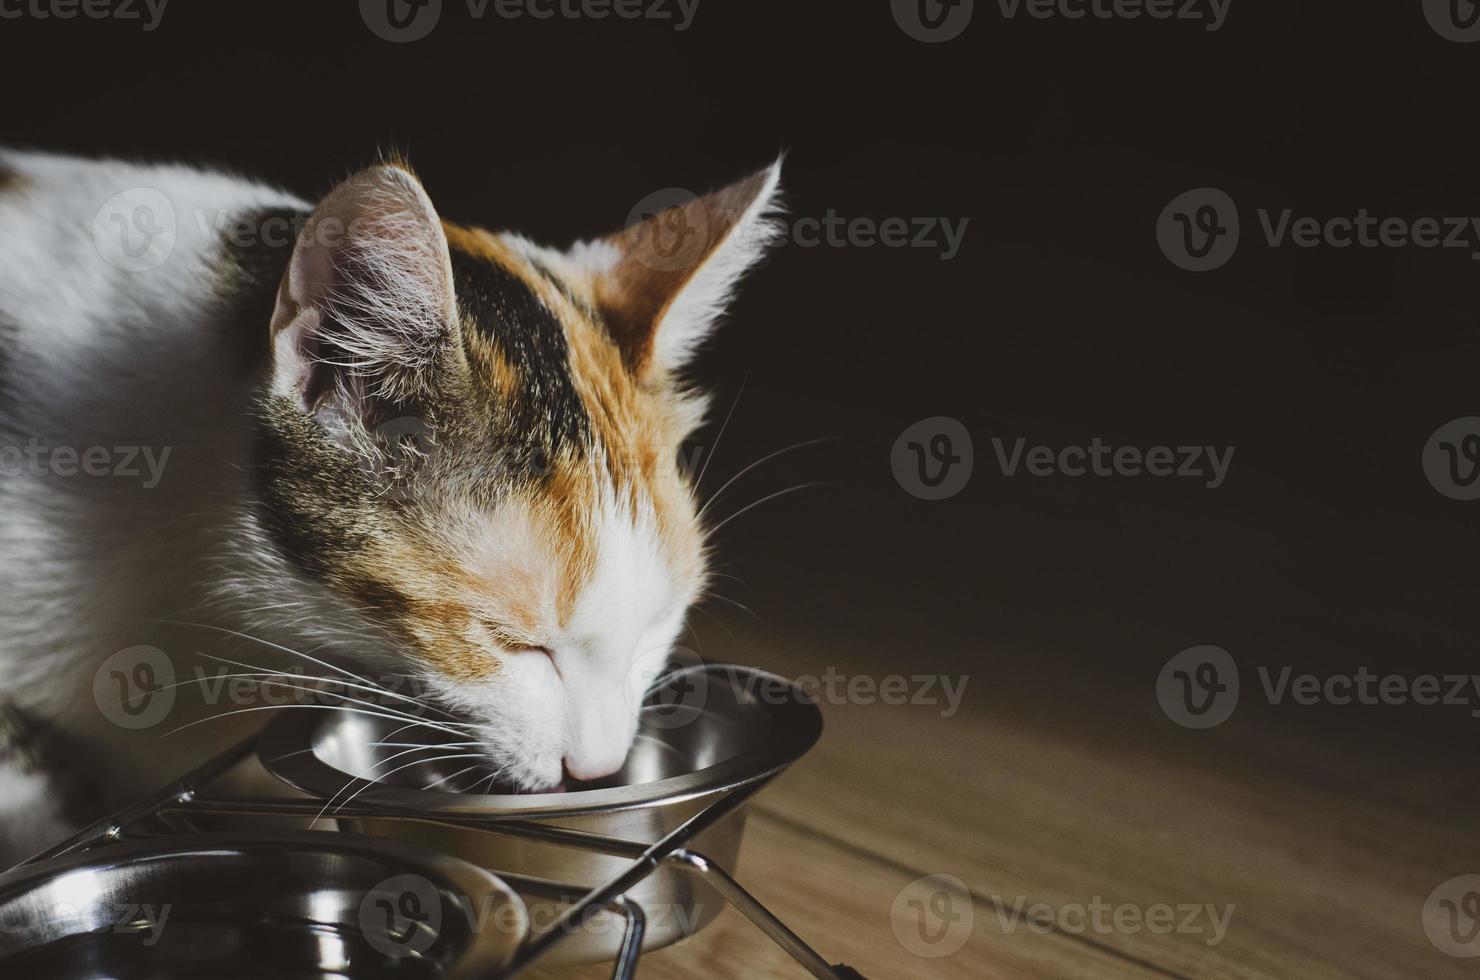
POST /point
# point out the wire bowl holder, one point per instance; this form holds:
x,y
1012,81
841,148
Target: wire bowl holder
x,y
628,841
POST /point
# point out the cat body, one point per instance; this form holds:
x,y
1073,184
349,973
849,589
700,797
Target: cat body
x,y
243,433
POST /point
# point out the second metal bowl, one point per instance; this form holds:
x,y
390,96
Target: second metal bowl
x,y
235,906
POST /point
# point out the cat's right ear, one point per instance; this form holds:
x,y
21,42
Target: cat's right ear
x,y
366,306
661,284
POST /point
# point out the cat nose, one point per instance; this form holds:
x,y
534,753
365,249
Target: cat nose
x,y
585,767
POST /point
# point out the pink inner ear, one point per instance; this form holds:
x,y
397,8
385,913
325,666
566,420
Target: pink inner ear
x,y
368,293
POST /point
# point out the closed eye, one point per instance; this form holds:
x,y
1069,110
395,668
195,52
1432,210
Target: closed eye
x,y
531,648
513,643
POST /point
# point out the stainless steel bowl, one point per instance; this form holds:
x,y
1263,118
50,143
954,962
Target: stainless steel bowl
x,y
711,730
257,907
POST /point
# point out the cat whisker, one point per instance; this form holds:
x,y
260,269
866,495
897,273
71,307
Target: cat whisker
x,y
712,573
738,605
275,682
722,625
477,772
414,747
373,688
713,450
445,779
370,627
322,663
429,745
319,707
714,497
420,762
275,646
768,497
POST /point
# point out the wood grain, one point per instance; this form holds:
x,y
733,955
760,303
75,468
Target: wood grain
x,y
1051,808
840,901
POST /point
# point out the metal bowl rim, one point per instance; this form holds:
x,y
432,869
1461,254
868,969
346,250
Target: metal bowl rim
x,y
489,950
796,725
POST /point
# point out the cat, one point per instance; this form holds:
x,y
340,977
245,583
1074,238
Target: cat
x,y
236,425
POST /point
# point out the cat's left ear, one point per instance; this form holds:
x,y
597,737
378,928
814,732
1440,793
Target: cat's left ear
x,y
662,284
367,305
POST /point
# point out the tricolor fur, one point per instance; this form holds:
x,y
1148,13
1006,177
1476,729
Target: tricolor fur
x,y
404,442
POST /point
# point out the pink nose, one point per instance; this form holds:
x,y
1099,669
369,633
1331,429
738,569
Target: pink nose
x,y
588,768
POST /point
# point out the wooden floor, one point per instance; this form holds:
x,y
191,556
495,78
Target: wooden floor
x,y
1320,872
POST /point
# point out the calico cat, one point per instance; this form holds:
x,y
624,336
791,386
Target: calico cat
x,y
379,439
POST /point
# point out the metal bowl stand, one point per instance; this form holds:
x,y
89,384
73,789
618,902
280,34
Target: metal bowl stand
x,y
181,799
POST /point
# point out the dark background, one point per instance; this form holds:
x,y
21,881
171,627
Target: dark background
x,y
1059,320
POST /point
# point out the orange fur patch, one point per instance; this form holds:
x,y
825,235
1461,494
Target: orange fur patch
x,y
454,614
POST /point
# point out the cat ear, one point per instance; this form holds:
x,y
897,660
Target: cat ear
x,y
367,304
662,283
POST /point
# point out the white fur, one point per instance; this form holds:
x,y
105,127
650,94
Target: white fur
x,y
97,355
104,356
111,357
579,705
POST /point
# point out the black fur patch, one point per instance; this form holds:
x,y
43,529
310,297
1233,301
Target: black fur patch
x,y
565,290
547,413
315,501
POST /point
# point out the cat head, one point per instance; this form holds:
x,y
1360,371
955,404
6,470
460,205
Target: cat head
x,y
471,443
